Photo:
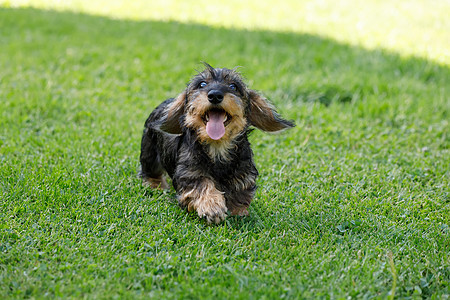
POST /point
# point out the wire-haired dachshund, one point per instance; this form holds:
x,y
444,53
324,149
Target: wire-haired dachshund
x,y
200,140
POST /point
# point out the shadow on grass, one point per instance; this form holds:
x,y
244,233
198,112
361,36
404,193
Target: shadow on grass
x,y
134,65
289,66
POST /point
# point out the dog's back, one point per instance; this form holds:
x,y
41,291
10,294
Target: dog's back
x,y
158,149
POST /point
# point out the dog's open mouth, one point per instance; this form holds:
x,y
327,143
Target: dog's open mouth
x,y
216,119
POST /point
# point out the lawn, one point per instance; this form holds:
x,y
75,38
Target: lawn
x,y
352,203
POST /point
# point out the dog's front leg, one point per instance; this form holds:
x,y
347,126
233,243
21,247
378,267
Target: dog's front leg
x,y
203,197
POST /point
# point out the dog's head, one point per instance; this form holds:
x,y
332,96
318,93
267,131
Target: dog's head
x,y
219,107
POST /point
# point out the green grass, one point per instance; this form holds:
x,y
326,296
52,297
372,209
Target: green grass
x,y
353,202
415,27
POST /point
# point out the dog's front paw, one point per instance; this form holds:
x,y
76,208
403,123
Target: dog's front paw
x,y
239,211
212,212
206,200
159,183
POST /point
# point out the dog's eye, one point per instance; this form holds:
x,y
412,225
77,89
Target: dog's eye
x,y
202,84
232,87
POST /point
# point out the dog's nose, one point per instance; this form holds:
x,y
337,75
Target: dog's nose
x,y
215,96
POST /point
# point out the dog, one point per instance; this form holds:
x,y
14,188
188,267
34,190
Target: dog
x,y
200,139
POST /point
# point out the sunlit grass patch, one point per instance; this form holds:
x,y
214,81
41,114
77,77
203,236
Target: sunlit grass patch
x,y
417,27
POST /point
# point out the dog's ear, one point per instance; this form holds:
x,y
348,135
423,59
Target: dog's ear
x,y
264,116
171,122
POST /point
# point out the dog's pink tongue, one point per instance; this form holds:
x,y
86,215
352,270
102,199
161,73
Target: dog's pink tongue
x,y
214,127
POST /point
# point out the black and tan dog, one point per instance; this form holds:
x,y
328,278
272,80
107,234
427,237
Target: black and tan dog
x,y
200,140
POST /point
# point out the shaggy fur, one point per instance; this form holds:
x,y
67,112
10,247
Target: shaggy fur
x,y
212,170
